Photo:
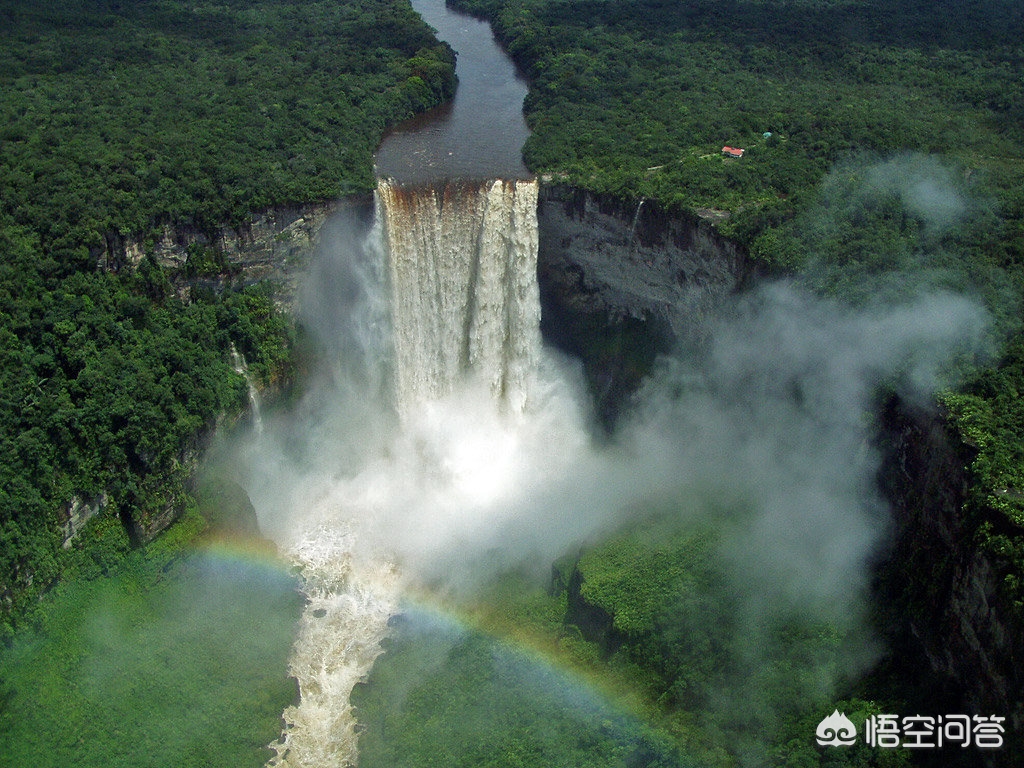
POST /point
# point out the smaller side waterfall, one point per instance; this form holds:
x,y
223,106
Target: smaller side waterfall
x,y
636,220
242,369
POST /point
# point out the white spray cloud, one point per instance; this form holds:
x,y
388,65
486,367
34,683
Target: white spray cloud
x,y
774,417
778,410
925,186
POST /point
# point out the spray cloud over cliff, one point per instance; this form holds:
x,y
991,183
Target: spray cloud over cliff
x,y
766,433
774,422
883,230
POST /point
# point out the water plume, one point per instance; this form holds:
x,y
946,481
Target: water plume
x,y
777,409
443,443
371,487
462,266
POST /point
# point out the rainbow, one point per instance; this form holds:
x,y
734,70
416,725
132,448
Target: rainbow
x,y
561,668
517,687
245,553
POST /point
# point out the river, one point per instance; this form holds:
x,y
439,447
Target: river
x,y
480,133
443,308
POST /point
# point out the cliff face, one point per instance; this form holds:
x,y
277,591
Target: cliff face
x,y
623,259
621,281
938,588
275,246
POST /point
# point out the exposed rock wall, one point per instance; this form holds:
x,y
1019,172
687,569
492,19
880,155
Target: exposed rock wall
x,y
617,258
938,588
621,281
77,513
274,245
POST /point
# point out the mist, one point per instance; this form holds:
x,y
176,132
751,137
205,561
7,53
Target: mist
x,y
765,434
884,230
778,411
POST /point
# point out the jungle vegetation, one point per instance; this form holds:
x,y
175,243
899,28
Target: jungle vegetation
x,y
178,657
659,669
842,108
117,118
120,118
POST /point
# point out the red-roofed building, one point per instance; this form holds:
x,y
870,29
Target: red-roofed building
x,y
732,152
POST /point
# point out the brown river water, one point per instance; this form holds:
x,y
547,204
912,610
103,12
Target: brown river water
x,y
480,133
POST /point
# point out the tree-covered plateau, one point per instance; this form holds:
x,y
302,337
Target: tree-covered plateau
x,y
638,98
123,117
116,120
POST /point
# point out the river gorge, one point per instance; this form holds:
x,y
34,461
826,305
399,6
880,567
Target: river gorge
x,y
463,437
572,475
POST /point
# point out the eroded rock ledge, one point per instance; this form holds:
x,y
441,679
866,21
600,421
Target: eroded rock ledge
x,y
601,255
275,245
622,281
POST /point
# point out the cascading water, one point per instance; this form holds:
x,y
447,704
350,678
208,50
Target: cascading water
x,y
464,313
464,298
348,605
636,220
241,368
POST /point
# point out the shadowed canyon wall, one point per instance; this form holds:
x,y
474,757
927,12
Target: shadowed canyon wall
x,y
939,591
621,281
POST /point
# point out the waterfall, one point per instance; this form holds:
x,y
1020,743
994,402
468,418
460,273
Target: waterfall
x,y
462,264
242,369
636,220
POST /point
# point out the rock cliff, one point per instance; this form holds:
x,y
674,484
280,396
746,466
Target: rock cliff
x,y
622,280
954,639
274,246
628,259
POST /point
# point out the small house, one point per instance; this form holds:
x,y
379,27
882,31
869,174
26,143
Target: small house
x,y
732,152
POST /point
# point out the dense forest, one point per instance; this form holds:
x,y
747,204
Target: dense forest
x,y
850,115
118,119
197,114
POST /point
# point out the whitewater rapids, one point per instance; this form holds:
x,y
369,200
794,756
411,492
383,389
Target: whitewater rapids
x,y
470,425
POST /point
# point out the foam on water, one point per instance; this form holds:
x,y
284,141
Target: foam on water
x,y
474,430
